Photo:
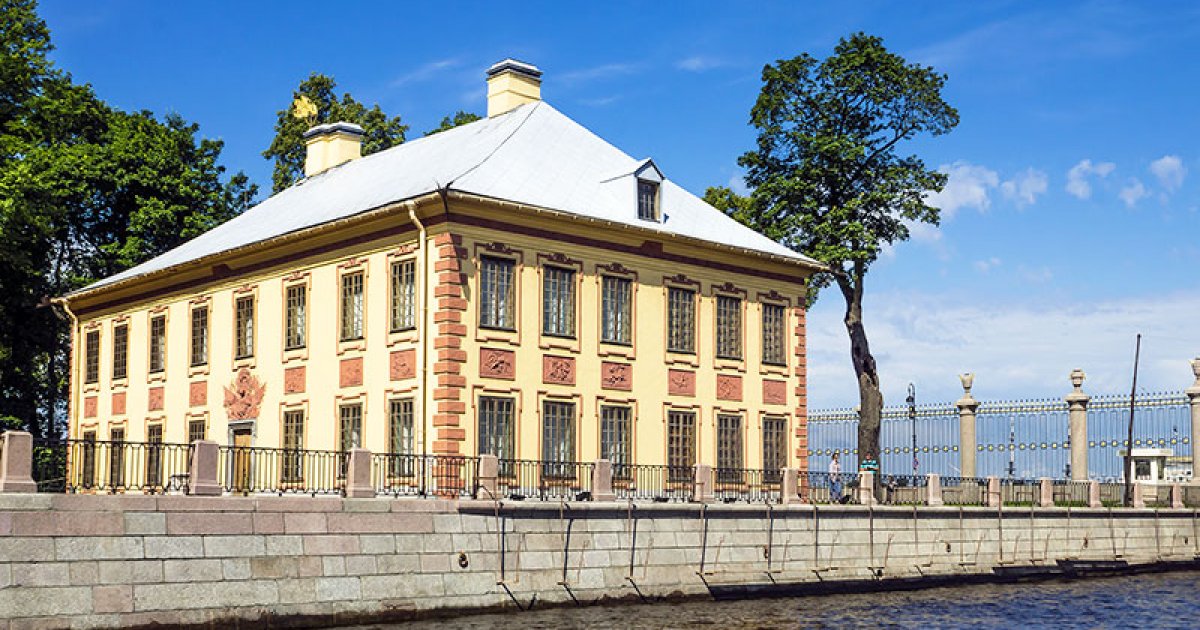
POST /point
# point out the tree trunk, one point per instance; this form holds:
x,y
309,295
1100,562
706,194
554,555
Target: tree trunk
x,y
869,397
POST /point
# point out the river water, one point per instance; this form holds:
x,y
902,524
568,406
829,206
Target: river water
x,y
1164,600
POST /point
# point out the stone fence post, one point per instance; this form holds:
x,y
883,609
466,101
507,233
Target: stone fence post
x,y
16,462
358,475
202,473
602,481
866,487
967,405
488,473
1139,500
992,496
1193,394
1045,492
933,490
703,492
789,486
1077,403
1094,494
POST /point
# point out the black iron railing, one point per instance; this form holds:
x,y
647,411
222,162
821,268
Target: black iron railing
x,y
1020,492
964,491
824,488
448,476
903,489
259,470
660,484
1069,493
116,467
731,485
532,479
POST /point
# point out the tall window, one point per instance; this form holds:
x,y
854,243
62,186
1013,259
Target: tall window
x,y
558,439
729,448
158,343
615,439
681,320
774,334
352,306
154,438
616,311
243,326
91,371
496,291
199,335
401,436
116,458
350,433
293,443
404,287
296,317
681,445
87,471
647,200
774,444
196,430
496,435
558,302
120,351
729,327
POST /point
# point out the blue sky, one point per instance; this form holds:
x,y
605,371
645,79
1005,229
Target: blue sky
x,y
1071,221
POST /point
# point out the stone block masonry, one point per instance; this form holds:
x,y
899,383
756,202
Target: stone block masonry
x,y
106,561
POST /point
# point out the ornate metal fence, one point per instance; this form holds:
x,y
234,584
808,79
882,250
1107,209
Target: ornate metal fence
x,y
1021,439
110,467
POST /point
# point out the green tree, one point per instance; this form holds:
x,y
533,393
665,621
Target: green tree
x,y
317,92
85,191
449,122
828,179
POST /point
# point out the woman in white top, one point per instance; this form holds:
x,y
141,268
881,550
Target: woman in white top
x,y
835,479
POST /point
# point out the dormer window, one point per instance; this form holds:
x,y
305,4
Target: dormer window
x,y
647,200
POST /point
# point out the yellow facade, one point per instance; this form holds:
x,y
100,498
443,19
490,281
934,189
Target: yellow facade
x,y
448,361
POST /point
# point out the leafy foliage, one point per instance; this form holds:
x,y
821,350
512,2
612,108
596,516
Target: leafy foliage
x,y
449,122
86,191
287,148
828,178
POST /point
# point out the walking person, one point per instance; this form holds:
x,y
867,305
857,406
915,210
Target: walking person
x,y
835,479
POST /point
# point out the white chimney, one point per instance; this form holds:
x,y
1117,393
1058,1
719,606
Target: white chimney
x,y
331,144
512,83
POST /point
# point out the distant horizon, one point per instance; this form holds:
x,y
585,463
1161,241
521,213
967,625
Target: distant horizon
x,y
1068,224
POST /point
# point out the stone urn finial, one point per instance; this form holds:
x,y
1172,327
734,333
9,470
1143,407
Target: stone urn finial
x,y
1077,377
1194,391
968,379
1196,369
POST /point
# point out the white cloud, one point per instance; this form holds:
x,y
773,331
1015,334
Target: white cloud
x,y
595,73
737,183
1170,171
1078,183
1133,193
1024,187
1015,351
968,186
425,72
699,63
923,232
988,264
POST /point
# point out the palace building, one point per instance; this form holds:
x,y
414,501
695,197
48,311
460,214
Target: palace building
x,y
516,286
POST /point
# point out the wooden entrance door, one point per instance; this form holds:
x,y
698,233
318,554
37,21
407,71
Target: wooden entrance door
x,y
242,460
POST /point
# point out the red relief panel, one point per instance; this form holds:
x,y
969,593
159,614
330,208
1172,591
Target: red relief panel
x,y
774,392
295,380
156,399
350,372
558,370
118,403
198,394
616,376
403,364
89,406
495,363
729,387
681,383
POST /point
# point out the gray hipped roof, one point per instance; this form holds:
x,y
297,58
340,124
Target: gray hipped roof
x,y
532,155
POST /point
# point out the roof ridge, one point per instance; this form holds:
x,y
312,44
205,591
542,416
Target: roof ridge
x,y
498,146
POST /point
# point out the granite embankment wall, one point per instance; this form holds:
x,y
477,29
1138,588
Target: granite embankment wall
x,y
97,561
